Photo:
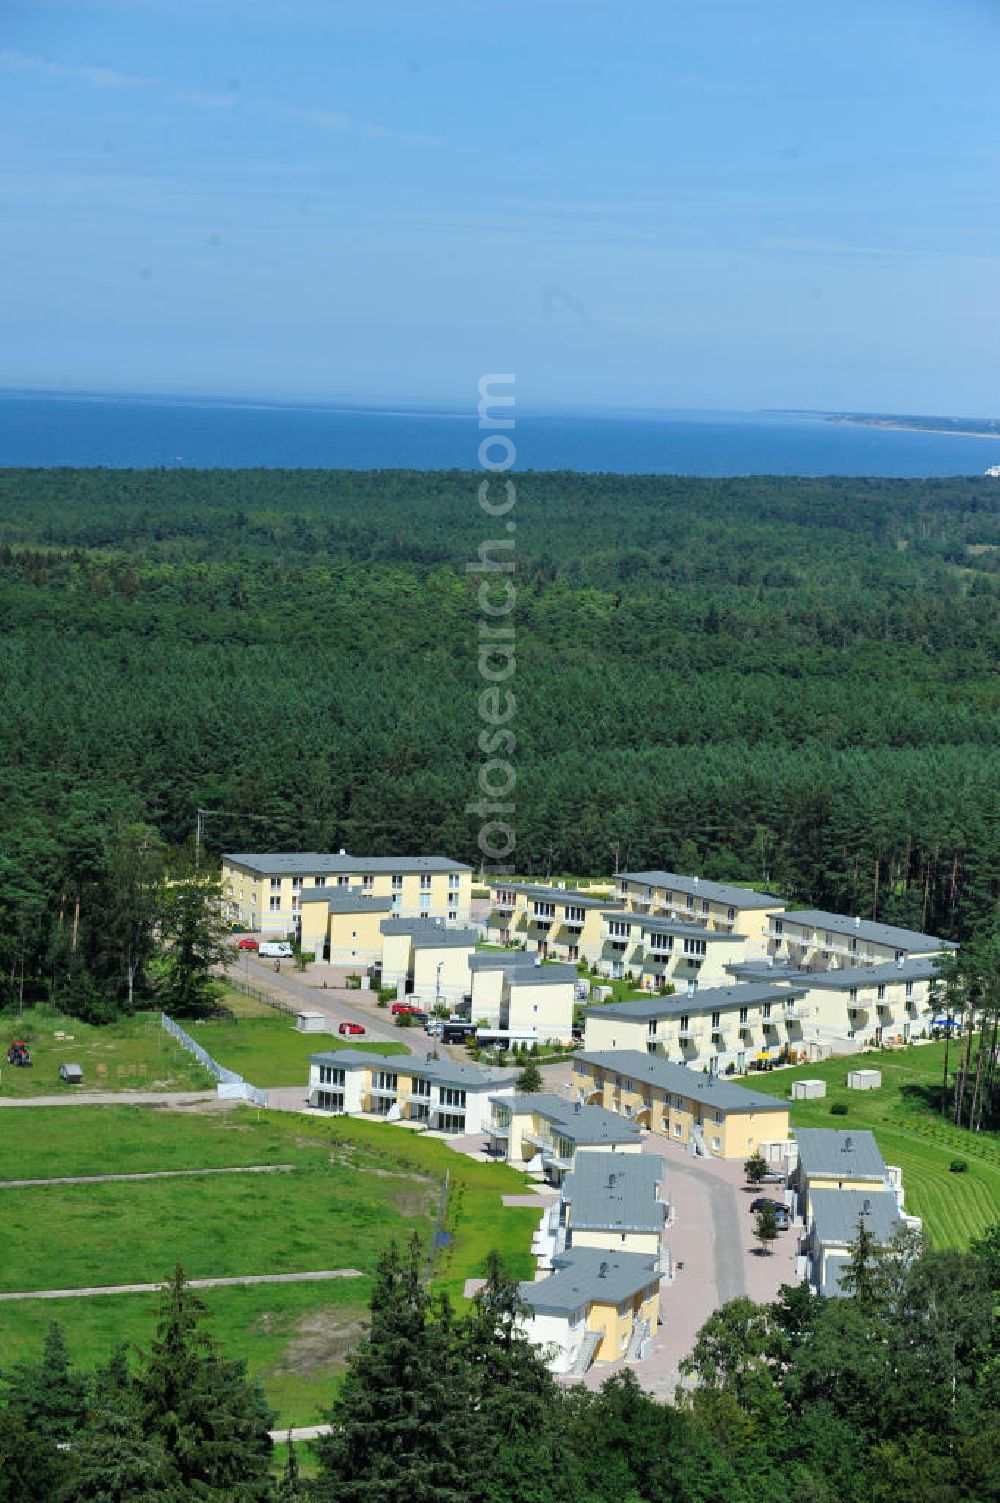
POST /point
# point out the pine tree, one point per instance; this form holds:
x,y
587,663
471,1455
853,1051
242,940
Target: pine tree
x,y
48,1396
210,1419
400,1421
291,1488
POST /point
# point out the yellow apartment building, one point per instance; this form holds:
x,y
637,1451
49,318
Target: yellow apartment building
x,y
658,952
689,1107
835,1159
718,906
835,1219
561,922
424,958
810,938
343,925
739,1025
264,892
521,999
846,1008
542,1127
436,1093
595,1307
614,1202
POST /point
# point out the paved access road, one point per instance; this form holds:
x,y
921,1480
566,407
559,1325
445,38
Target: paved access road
x,y
338,1003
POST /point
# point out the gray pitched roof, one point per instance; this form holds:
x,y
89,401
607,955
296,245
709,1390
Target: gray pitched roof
x,y
309,863
347,900
558,895
573,1120
835,1265
712,999
877,934
655,924
441,1071
587,1275
711,1091
836,1213
430,934
841,1153
502,960
914,968
543,975
615,1192
716,892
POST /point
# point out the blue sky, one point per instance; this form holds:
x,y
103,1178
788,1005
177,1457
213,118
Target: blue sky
x,y
675,203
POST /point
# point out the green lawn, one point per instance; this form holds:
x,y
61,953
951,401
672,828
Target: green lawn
x,y
134,1054
953,1207
264,1046
356,1185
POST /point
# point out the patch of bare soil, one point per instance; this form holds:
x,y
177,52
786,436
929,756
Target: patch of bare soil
x,y
322,1340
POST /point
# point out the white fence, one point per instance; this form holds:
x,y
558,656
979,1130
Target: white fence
x,y
231,1087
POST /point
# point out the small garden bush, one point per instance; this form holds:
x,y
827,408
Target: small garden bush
x,y
958,1166
838,1109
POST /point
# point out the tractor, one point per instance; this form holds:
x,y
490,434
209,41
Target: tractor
x,y
18,1054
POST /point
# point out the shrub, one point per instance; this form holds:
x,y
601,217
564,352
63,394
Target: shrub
x,y
958,1166
354,982
386,994
838,1109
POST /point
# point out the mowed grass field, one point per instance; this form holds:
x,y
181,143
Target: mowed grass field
x,y
910,1133
264,1046
135,1054
355,1186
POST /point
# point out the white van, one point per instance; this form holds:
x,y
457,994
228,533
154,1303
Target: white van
x,y
274,949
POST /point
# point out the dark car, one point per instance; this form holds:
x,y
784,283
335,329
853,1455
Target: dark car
x,y
764,1200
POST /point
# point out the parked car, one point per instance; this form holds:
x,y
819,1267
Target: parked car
x,y
248,944
458,1033
765,1200
352,1029
409,1008
275,949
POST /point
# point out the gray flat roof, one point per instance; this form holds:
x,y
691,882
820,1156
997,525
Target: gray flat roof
x,y
654,924
502,960
347,900
429,934
587,1275
716,892
915,968
836,1214
615,1192
543,975
571,895
712,999
441,1071
877,934
839,1152
578,1123
309,863
835,1265
709,1090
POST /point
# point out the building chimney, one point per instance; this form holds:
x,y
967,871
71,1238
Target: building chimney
x,y
694,881
341,852
857,922
848,1145
866,1209
602,1272
612,1181
577,1106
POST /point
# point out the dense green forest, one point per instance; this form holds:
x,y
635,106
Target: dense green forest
x,y
790,682
886,1397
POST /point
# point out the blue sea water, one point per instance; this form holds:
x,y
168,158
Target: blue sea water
x,y
130,432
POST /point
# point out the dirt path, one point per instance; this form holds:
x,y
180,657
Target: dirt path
x,y
117,1098
108,1179
316,1277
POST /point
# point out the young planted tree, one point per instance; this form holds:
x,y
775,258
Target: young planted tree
x,y
755,1168
765,1227
530,1078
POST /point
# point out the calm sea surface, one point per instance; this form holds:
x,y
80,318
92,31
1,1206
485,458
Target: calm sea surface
x,y
143,433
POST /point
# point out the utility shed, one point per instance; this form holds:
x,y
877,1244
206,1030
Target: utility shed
x,y
312,1022
808,1090
864,1080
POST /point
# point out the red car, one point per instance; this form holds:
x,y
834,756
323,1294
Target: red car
x,y
249,944
353,1029
398,1008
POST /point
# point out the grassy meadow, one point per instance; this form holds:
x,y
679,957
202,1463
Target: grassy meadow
x,y
911,1133
135,1053
354,1187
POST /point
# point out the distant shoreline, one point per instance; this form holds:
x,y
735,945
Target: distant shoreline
x,y
898,427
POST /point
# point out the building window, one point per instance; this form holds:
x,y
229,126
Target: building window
x,y
685,1023
296,884
766,1010
677,1129
618,930
716,1145
662,942
296,905
344,880
425,883
384,1080
451,1096
275,884
881,992
695,947
319,881
716,1020
909,990
544,910
574,915
367,883
852,995
704,905
453,914
453,879
744,1014
854,947
397,883
779,927
424,902
730,914
275,905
